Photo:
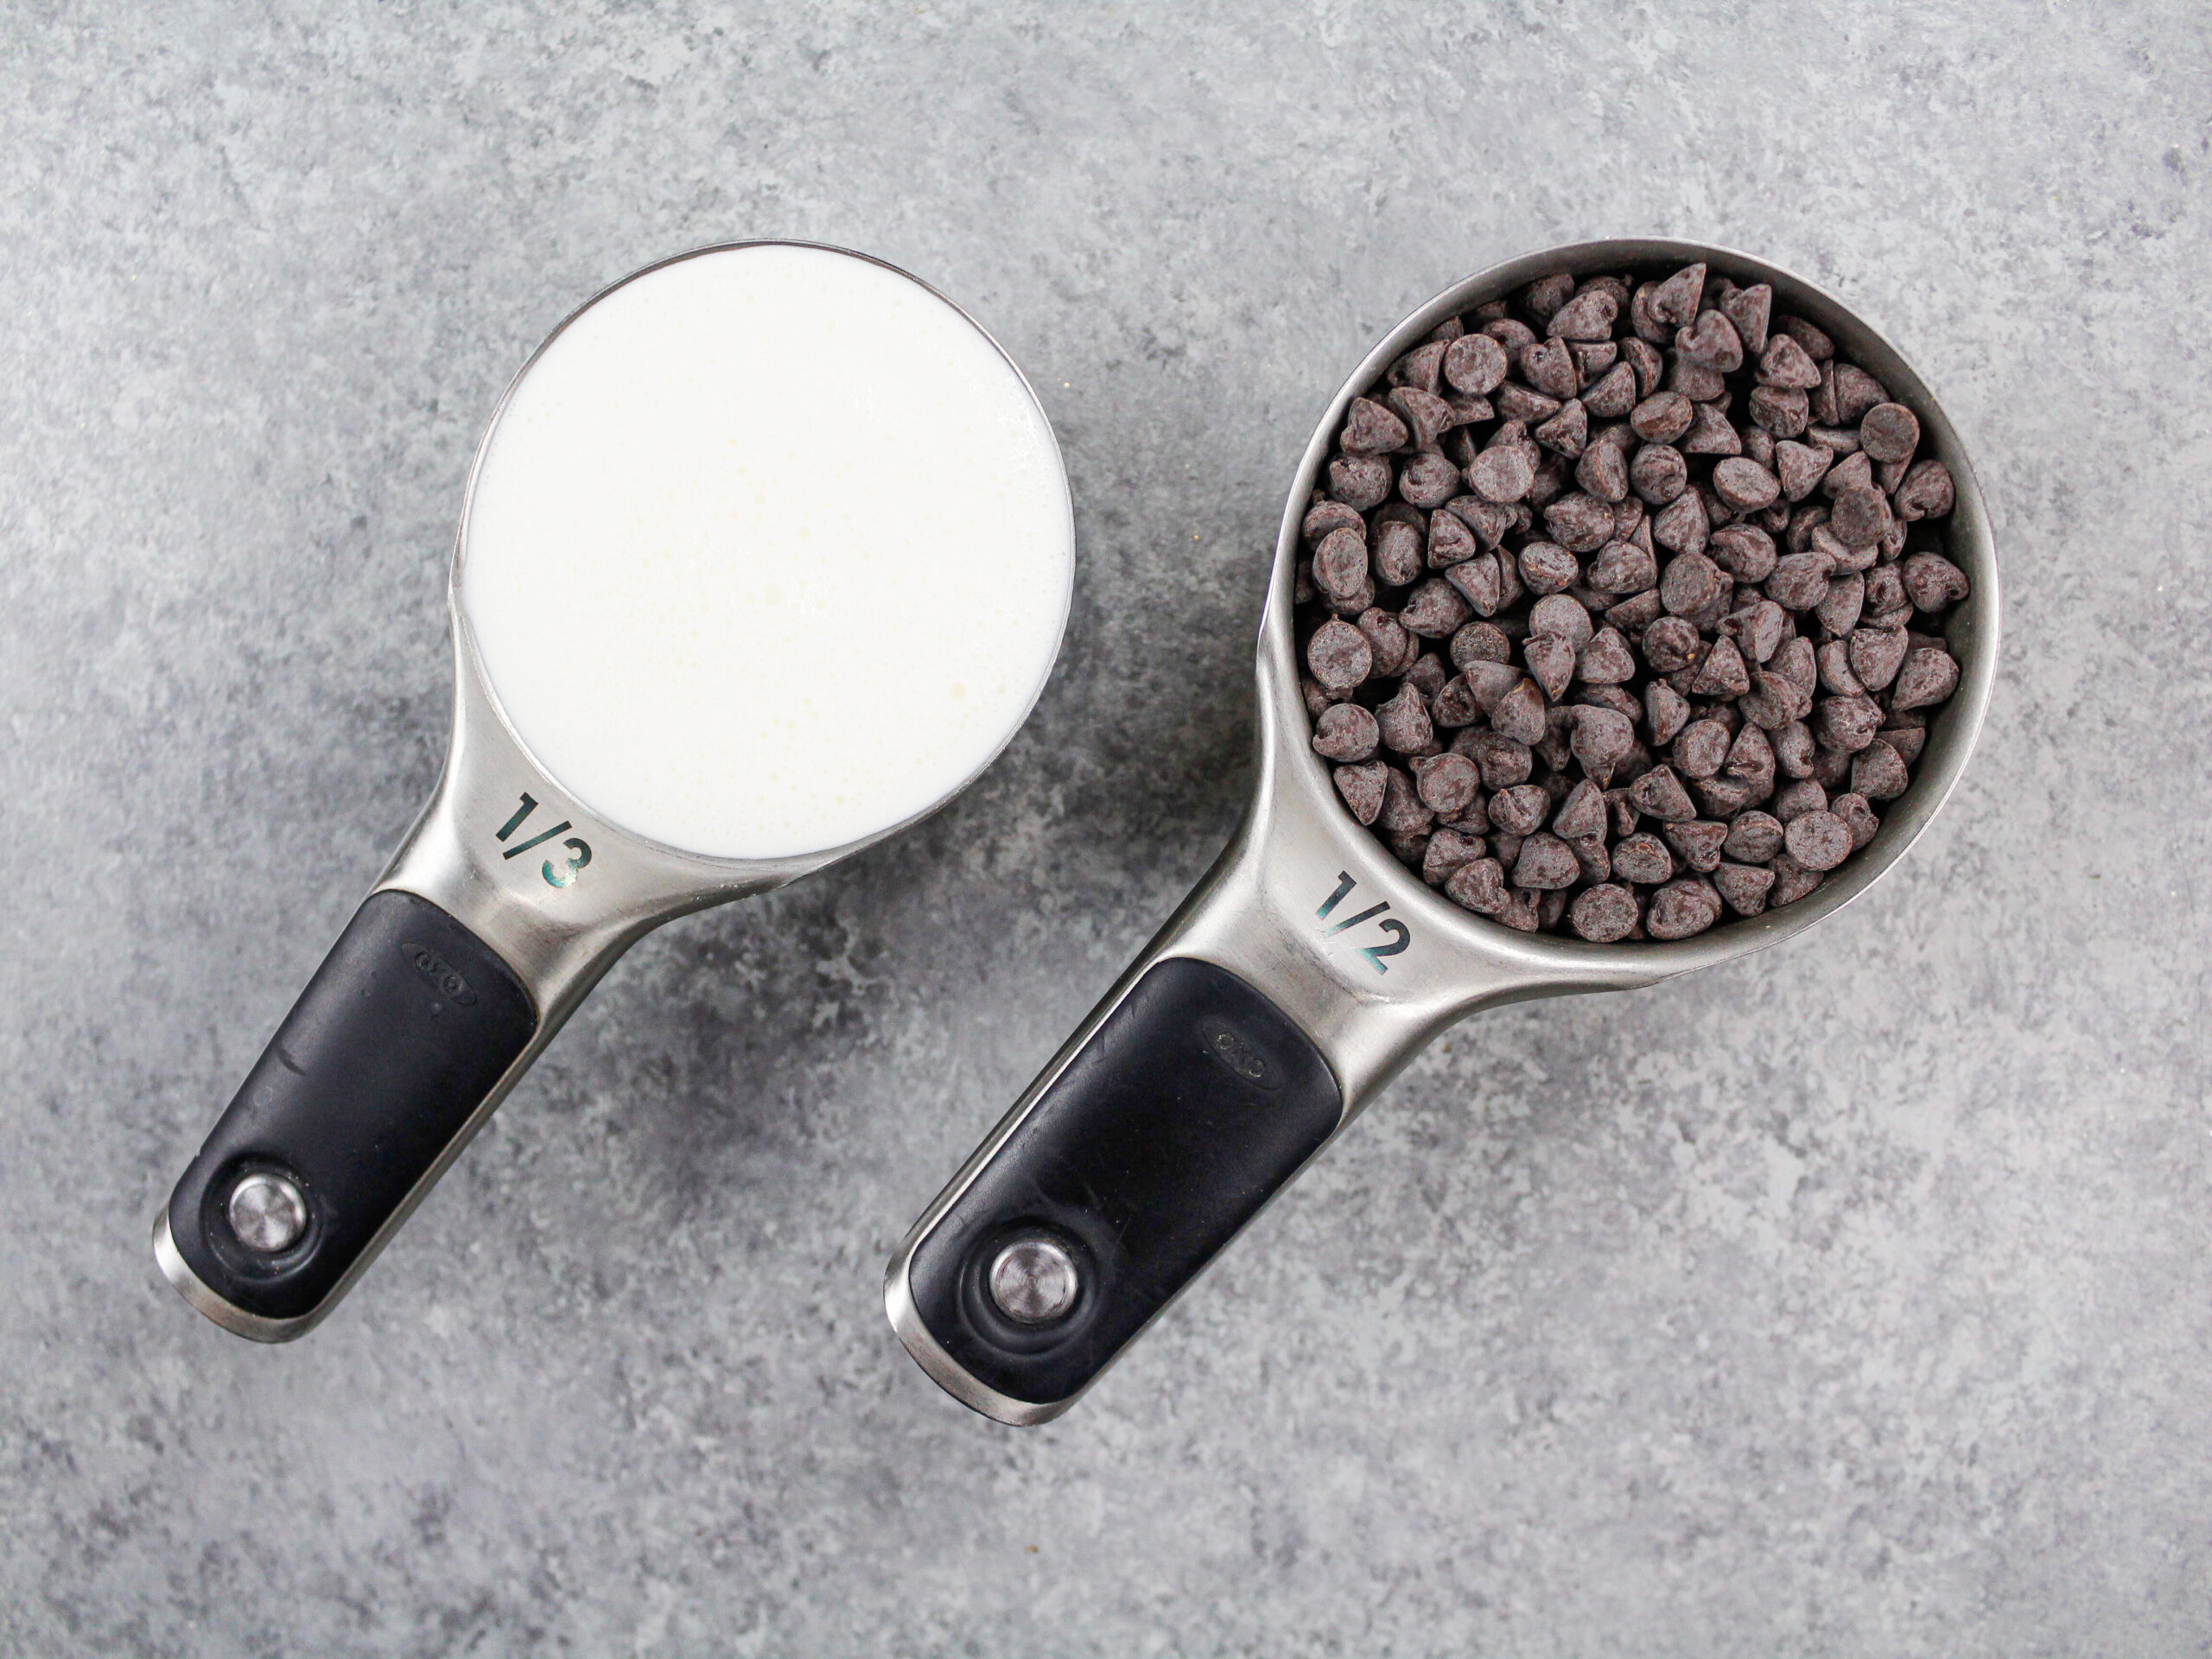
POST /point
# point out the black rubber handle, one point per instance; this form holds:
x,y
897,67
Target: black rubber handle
x,y
1192,1103
401,1035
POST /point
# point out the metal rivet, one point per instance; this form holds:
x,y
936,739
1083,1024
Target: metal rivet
x,y
267,1212
1033,1280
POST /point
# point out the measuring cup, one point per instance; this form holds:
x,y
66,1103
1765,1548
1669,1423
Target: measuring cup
x,y
1306,969
765,555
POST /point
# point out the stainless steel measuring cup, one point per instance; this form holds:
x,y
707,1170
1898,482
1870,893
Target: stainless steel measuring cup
x,y
1306,969
511,894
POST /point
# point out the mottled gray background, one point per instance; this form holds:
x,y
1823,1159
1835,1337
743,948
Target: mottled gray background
x,y
1850,1300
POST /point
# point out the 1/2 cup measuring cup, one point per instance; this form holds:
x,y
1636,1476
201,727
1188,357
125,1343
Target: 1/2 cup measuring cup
x,y
1304,970
765,555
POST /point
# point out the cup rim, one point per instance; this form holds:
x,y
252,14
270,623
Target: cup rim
x,y
1972,630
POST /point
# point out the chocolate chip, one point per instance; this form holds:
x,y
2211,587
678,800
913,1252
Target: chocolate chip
x,y
1697,843
1582,814
1613,394
1606,659
1658,473
1698,751
1659,794
1519,403
1744,485
1928,677
1397,553
1745,551
1603,470
1502,473
1846,723
1932,581
1601,739
1681,525
1503,760
1710,433
1546,863
1926,492
1448,851
1550,660
1817,345
1819,840
1479,886
1906,740
1692,584
1340,562
1520,713
1362,787
1682,909
1858,394
1345,732
1712,342
1839,609
1434,610
1580,522
1359,481
1325,515
1480,642
1426,417
1547,567
1588,315
1804,796
1604,914
1889,432
1474,365
1753,838
1744,885
1676,300
1402,812
1859,516
1428,480
1799,580
1338,656
1489,681
1548,294
1785,364
1403,721
1666,711
1877,771
1566,432
1792,880
1563,614
1749,309
1370,430
1548,366
1624,567
1858,814
1420,368
1642,858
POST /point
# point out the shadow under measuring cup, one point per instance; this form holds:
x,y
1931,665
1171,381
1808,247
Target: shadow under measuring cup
x,y
1307,968
766,553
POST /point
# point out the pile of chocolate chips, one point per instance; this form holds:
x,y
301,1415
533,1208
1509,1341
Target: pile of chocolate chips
x,y
1624,606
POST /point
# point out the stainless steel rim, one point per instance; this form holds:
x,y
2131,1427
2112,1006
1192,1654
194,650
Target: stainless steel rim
x,y
1973,630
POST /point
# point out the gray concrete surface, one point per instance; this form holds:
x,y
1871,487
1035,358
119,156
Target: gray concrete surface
x,y
1857,1299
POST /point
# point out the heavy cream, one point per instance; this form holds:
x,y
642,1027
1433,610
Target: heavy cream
x,y
769,551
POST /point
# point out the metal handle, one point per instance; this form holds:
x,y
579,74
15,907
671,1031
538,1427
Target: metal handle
x,y
507,888
1286,991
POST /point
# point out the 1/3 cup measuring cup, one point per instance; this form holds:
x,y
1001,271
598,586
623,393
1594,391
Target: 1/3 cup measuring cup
x,y
765,555
1304,970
